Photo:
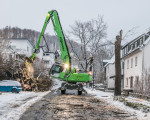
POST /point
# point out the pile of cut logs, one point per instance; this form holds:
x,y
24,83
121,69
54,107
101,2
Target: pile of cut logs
x,y
29,83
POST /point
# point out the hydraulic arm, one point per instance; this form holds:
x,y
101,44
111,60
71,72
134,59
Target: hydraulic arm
x,y
63,70
53,16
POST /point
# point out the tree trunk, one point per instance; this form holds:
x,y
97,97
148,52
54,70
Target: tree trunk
x,y
118,64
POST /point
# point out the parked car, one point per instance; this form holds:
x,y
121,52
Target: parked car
x,y
100,86
10,86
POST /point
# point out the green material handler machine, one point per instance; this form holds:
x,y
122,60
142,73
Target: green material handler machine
x,y
72,79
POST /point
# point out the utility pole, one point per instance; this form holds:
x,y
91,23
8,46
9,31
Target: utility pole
x,y
118,65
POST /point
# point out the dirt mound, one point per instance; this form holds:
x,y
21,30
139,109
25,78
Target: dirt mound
x,y
44,83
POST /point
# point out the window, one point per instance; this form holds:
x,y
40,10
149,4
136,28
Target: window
x,y
126,81
13,47
10,57
135,44
138,43
122,65
17,57
128,64
46,54
131,62
27,49
137,79
131,82
135,61
129,48
123,52
46,62
141,41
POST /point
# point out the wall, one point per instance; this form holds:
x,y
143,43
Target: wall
x,y
110,71
48,59
20,46
135,71
146,52
40,54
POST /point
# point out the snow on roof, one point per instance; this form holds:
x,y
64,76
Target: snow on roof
x,y
106,61
111,61
23,39
9,83
145,37
135,37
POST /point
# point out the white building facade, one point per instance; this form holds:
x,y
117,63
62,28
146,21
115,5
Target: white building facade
x,y
21,47
48,59
110,73
136,60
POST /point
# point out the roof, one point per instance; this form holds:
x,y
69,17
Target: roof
x,y
9,83
132,40
22,39
137,43
111,61
106,60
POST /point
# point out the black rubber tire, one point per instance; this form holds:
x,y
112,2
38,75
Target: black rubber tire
x,y
79,92
63,91
14,90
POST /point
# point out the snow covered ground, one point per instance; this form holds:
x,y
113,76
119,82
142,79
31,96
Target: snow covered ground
x,y
108,97
56,84
12,105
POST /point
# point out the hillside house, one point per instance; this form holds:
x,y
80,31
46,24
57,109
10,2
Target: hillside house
x,y
48,59
135,55
110,73
17,48
109,69
22,47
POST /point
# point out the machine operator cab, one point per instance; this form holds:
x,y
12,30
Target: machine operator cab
x,y
56,69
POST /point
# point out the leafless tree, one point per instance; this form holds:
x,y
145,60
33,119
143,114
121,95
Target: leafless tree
x,y
142,85
90,38
4,46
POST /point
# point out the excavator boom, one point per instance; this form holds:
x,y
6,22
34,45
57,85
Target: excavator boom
x,y
63,71
65,56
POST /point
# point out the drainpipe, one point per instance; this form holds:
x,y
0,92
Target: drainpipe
x,y
143,66
143,60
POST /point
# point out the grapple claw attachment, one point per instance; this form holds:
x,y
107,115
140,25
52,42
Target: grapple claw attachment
x,y
29,60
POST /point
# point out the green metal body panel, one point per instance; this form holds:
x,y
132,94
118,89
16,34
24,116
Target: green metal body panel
x,y
68,75
79,77
75,77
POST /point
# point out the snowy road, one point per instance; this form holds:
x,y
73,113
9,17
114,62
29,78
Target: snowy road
x,y
12,106
73,107
51,105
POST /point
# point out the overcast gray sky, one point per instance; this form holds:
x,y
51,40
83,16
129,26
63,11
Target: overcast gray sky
x,y
118,14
